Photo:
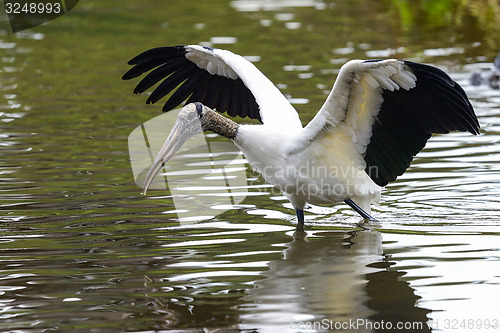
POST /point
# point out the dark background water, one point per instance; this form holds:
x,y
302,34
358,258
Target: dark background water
x,y
82,250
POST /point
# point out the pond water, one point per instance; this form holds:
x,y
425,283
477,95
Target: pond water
x,y
81,250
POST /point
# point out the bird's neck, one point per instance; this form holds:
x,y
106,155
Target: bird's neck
x,y
214,122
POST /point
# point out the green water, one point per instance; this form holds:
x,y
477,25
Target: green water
x,y
81,250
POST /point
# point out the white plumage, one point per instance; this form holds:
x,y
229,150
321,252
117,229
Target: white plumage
x,y
379,114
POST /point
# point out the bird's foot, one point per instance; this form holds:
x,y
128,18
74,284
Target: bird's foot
x,y
299,231
359,210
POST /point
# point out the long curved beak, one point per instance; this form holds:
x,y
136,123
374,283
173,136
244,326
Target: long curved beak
x,y
181,132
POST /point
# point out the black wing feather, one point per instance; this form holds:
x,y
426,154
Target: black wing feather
x,y
165,53
408,118
158,74
200,93
215,93
244,107
227,90
169,84
142,68
182,93
235,102
190,83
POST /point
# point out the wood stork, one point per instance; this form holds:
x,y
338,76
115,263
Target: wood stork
x,y
377,117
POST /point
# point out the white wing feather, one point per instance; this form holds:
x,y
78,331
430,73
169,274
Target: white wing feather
x,y
275,110
354,102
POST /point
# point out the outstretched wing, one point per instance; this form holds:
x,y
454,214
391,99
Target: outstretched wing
x,y
387,110
217,78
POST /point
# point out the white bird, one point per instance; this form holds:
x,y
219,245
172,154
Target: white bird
x,y
378,116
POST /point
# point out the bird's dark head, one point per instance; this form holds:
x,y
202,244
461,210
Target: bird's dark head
x,y
192,119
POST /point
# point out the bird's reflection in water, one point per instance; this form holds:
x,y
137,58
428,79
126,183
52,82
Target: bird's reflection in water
x,y
333,281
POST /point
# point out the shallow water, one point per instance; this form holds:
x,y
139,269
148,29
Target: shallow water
x,y
82,250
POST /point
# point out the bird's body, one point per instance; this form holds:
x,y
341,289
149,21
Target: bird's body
x,y
308,173
378,116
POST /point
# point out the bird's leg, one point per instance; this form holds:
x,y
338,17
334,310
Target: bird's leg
x,y
358,209
300,220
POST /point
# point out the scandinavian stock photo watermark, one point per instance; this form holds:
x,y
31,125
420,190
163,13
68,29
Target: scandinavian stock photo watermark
x,y
363,324
208,174
204,178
